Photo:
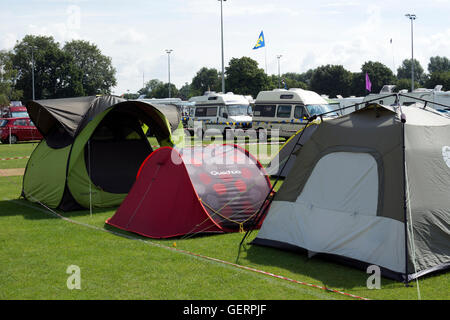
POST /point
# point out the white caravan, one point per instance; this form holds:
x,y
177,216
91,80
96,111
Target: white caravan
x,y
286,110
345,103
220,112
432,95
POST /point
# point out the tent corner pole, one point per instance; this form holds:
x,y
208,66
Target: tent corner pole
x,y
405,218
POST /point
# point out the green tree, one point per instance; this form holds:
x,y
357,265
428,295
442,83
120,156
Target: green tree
x,y
331,80
55,73
439,78
206,80
98,74
289,80
304,77
379,75
273,82
404,71
130,96
185,92
357,84
405,84
8,78
149,87
293,80
244,77
438,64
162,91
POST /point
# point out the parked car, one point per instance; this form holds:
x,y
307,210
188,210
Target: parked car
x,y
14,111
13,130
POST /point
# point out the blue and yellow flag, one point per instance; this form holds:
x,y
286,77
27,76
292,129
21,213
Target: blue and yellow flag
x,y
260,43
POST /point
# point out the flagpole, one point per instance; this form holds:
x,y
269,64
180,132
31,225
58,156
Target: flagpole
x,y
265,53
221,32
393,56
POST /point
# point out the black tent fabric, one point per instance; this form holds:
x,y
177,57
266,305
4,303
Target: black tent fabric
x,y
72,114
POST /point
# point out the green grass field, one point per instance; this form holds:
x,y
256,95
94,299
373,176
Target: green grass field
x,y
36,248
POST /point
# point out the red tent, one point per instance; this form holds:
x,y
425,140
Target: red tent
x,y
217,188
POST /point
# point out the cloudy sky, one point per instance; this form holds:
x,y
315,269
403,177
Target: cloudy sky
x,y
136,33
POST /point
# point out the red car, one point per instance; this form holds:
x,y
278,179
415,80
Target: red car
x,y
13,130
16,111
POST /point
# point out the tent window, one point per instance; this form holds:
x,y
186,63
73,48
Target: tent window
x,y
344,182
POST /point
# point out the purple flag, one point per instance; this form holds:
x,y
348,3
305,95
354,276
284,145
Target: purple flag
x,y
368,83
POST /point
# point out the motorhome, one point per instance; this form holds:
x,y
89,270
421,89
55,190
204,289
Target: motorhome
x,y
286,111
182,106
436,95
215,113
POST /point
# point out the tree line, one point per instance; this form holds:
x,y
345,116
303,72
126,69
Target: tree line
x,y
243,76
78,68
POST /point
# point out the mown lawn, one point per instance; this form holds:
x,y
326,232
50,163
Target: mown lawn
x,y
22,149
36,248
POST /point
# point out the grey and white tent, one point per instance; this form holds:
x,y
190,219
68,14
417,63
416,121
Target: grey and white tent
x,y
371,188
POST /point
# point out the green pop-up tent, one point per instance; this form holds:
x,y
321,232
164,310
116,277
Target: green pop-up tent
x,y
92,149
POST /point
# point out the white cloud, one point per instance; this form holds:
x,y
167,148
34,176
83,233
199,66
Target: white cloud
x,y
341,4
130,36
8,40
307,34
204,7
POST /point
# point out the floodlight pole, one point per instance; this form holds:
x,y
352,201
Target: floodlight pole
x,y
412,17
221,31
279,75
168,51
32,71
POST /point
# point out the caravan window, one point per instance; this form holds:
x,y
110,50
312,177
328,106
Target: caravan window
x,y
262,110
222,111
318,109
284,111
200,112
237,110
300,112
211,112
205,112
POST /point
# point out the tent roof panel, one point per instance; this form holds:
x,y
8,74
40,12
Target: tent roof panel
x,y
70,113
